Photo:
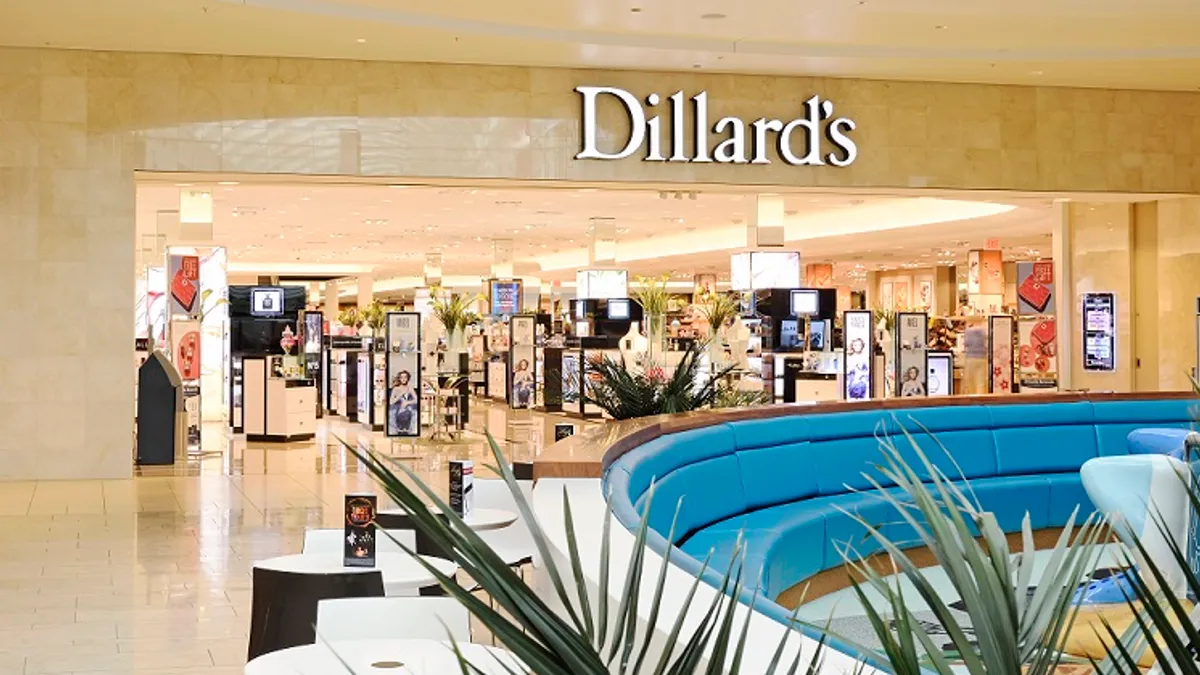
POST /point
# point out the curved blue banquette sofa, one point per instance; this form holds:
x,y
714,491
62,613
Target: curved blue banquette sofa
x,y
785,481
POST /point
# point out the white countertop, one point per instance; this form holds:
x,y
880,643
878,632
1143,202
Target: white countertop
x,y
479,519
401,573
381,657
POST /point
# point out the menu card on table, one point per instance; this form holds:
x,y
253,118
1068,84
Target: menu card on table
x,y
358,547
462,479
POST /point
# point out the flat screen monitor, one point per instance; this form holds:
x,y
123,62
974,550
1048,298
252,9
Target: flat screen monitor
x,y
774,269
618,309
806,302
789,333
940,375
601,284
817,335
266,301
758,270
505,297
739,272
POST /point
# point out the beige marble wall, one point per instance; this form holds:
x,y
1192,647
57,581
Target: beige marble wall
x,y
1101,242
74,126
1178,286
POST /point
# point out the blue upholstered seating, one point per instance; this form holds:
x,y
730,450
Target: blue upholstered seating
x,y
786,484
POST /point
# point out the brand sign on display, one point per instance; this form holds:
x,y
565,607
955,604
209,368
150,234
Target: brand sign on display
x,y
813,138
857,376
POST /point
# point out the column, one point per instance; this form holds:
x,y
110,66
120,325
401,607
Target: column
x,y
331,301
1167,291
433,269
1093,252
765,226
195,215
603,249
366,290
502,258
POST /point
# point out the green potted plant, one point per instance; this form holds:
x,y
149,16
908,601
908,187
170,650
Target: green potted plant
x,y
718,309
651,293
455,311
351,317
374,317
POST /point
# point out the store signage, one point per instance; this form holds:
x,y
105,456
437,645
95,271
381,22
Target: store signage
x,y
817,136
856,360
1099,332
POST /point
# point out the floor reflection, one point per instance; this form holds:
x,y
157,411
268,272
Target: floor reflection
x,y
152,575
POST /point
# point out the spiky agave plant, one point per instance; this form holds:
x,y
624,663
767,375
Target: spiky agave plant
x,y
625,395
591,636
1014,631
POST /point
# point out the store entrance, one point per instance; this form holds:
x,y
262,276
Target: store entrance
x,y
305,302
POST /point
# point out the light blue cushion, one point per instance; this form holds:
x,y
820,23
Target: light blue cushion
x,y
769,432
1066,494
659,457
1157,442
1043,438
1161,411
704,493
776,475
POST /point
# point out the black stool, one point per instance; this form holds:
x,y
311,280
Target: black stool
x,y
283,613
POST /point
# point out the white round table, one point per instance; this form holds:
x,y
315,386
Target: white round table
x,y
480,519
382,657
401,573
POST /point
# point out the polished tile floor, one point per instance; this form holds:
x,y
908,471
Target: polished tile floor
x,y
152,575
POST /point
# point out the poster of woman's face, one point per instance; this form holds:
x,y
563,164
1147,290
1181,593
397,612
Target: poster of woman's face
x,y
522,377
858,356
404,395
403,375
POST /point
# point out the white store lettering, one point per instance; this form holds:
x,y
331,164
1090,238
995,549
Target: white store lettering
x,y
645,129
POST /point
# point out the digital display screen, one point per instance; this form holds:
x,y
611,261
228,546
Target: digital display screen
x,y
739,272
1099,332
941,373
266,301
601,284
618,310
805,302
759,270
505,298
774,269
816,335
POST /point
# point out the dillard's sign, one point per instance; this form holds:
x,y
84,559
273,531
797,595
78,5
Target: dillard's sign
x,y
734,146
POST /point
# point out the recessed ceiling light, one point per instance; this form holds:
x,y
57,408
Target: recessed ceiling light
x,y
361,40
227,182
939,27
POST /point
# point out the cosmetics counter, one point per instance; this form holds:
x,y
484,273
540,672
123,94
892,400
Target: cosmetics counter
x,y
272,397
370,367
334,392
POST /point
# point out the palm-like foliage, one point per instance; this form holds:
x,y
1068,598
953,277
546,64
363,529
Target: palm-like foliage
x,y
454,310
590,636
625,395
652,294
374,315
717,309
